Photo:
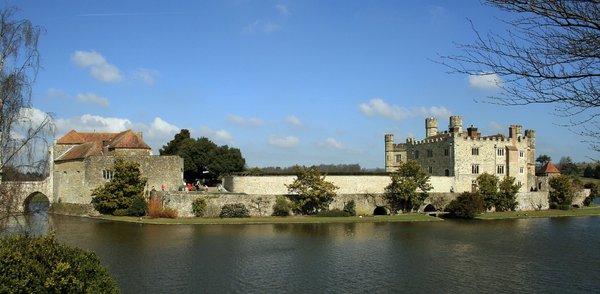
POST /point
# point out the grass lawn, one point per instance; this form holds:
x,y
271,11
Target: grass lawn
x,y
586,211
409,217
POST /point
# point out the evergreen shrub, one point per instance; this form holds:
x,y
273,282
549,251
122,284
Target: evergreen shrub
x,y
234,210
199,206
42,265
282,206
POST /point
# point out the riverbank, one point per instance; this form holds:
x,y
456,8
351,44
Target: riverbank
x,y
585,211
408,217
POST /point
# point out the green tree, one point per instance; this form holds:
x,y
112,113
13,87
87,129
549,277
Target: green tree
x,y
202,158
588,172
507,194
313,193
402,192
488,188
467,205
119,193
42,265
561,191
199,206
172,148
567,167
543,159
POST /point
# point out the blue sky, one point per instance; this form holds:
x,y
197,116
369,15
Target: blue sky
x,y
287,82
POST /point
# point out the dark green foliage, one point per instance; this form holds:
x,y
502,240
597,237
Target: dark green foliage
x,y
138,207
200,155
543,159
42,265
333,213
466,205
126,185
488,188
282,206
172,148
567,167
561,190
594,192
313,193
350,208
402,193
234,210
121,212
199,206
507,195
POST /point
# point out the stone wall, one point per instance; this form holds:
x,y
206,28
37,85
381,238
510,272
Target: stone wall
x,y
75,180
262,205
362,184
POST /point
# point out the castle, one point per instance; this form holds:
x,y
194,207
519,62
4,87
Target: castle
x,y
463,156
82,161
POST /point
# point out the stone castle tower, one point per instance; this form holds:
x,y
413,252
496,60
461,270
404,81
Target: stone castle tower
x,y
466,155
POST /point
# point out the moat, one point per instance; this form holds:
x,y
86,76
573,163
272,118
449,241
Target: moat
x,y
523,255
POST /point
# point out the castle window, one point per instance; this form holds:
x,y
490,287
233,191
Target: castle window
x,y
417,154
107,175
475,168
398,158
429,153
446,152
521,170
500,169
521,153
500,151
474,151
430,169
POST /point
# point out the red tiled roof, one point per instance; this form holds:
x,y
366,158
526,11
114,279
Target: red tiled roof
x,y
126,139
549,168
82,151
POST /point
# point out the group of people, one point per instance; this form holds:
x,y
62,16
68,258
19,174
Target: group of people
x,y
197,186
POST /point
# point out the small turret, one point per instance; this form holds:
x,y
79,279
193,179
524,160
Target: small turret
x,y
431,127
455,124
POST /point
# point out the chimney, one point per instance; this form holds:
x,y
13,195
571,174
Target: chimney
x,y
472,132
431,127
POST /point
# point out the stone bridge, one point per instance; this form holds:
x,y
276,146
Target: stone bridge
x,y
25,191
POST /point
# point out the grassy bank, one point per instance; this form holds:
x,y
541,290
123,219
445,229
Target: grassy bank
x,y
586,211
409,217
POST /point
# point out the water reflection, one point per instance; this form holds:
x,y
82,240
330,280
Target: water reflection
x,y
523,255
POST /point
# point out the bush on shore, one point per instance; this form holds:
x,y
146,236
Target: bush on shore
x,y
42,265
234,210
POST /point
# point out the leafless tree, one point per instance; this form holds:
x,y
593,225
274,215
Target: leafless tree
x,y
549,55
23,129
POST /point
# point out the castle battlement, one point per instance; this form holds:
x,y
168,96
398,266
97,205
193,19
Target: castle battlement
x,y
464,154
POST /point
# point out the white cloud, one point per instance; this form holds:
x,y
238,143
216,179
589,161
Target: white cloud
x,y
98,66
260,25
220,136
332,143
147,76
379,108
284,142
495,127
160,129
292,119
283,10
252,122
92,98
93,123
485,81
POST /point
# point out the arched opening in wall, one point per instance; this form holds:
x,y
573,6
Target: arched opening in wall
x,y
575,206
36,203
380,210
429,208
447,172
